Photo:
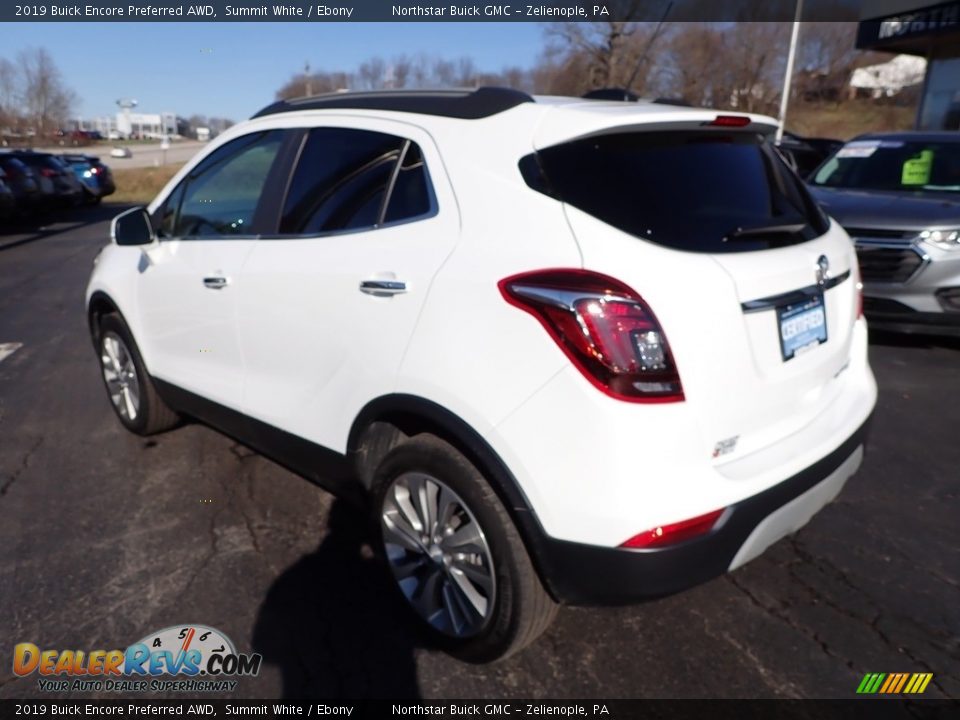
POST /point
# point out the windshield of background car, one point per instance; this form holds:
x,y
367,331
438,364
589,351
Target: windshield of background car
x,y
907,166
699,191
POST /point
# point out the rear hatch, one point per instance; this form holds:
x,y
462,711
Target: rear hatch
x,y
754,288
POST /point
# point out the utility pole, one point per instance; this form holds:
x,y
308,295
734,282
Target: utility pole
x,y
788,77
307,79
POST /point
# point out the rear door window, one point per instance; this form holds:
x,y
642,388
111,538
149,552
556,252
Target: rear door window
x,y
702,191
348,179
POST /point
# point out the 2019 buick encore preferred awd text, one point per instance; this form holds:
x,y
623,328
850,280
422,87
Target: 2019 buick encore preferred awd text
x,y
565,350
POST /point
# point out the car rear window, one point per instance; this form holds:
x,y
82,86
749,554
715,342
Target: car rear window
x,y
703,191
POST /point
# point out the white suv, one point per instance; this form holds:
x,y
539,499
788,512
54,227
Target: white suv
x,y
566,350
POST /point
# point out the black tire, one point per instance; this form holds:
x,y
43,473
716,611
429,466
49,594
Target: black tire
x,y
152,414
521,609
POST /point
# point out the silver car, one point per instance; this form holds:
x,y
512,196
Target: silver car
x,y
898,196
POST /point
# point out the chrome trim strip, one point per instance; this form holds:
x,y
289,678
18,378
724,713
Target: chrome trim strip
x,y
792,297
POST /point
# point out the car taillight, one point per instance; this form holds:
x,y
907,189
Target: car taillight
x,y
730,121
674,533
604,327
94,171
48,172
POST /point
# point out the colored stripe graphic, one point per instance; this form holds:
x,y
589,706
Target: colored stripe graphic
x,y
894,683
903,680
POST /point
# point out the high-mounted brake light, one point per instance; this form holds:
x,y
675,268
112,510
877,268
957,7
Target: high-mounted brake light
x,y
674,533
730,121
604,327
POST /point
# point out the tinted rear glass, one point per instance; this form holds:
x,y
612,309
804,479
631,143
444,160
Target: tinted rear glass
x,y
340,180
696,191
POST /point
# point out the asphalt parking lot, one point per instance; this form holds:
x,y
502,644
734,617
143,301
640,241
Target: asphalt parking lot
x,y
106,536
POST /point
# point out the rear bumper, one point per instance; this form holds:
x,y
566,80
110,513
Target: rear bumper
x,y
579,574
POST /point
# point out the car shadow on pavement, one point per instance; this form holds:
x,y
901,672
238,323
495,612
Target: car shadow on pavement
x,y
333,623
913,340
38,229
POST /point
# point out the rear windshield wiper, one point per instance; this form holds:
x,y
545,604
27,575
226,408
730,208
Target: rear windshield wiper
x,y
764,231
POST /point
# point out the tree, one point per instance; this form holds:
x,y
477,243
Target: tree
x,y
316,83
372,74
45,98
827,57
9,114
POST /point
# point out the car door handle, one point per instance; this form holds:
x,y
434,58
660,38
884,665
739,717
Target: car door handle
x,y
215,283
383,288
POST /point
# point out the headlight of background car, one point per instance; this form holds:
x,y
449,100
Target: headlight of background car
x,y
946,239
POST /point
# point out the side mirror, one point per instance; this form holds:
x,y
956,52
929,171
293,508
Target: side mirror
x,y
132,228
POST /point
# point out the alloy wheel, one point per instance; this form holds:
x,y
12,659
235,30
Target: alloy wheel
x,y
438,554
120,374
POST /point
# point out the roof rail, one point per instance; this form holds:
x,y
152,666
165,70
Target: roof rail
x,y
679,102
467,104
611,94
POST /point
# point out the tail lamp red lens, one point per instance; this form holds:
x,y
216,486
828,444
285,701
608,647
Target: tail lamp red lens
x,y
604,327
664,535
48,172
730,121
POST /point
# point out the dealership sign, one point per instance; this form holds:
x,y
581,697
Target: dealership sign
x,y
923,22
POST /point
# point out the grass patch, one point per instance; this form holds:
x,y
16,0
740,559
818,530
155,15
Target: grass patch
x,y
139,186
847,119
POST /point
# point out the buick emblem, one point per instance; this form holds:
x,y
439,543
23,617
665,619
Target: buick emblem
x,y
823,270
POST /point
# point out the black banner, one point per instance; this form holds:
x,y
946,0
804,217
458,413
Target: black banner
x,y
414,11
506,709
924,22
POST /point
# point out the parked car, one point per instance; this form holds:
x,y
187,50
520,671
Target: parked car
x,y
805,154
567,350
8,203
57,181
23,183
77,137
898,196
94,177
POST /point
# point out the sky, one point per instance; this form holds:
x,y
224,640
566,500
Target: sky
x,y
233,69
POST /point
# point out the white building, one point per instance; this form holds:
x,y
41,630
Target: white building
x,y
148,125
889,78
131,124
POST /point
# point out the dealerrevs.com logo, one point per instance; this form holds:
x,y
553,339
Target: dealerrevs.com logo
x,y
201,658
